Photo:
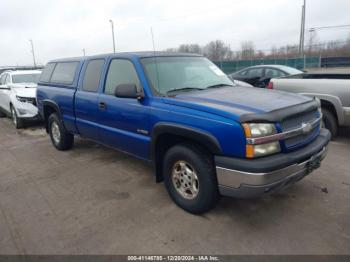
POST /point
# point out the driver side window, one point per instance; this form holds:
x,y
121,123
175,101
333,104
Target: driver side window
x,y
121,71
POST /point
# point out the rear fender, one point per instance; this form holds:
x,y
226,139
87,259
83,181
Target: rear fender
x,y
334,100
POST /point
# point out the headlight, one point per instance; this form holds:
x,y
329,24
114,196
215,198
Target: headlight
x,y
258,130
26,99
254,130
262,150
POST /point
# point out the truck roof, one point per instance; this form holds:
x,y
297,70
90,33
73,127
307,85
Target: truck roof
x,y
142,54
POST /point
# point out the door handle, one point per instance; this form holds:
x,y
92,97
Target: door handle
x,y
102,105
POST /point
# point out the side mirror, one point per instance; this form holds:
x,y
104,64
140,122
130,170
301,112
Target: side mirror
x,y
4,87
129,91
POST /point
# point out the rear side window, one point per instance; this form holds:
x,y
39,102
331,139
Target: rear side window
x,y
46,74
64,73
93,75
120,71
272,73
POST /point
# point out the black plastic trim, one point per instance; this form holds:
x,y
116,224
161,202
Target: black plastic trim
x,y
280,114
275,162
47,102
206,139
52,104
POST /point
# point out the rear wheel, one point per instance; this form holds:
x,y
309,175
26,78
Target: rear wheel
x,y
60,138
18,122
190,178
329,121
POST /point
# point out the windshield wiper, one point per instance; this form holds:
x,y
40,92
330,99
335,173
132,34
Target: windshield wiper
x,y
218,85
183,89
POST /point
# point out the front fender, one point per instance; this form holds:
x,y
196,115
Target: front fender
x,y
198,135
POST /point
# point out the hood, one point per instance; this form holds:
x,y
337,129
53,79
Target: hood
x,y
233,102
25,92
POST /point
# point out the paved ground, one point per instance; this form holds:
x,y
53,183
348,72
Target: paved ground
x,y
93,200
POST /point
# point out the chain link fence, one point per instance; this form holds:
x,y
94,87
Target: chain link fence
x,y
299,63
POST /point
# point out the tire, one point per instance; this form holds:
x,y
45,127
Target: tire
x,y
18,122
186,160
60,138
330,122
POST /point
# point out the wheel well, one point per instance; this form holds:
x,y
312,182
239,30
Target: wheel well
x,y
330,107
164,142
48,110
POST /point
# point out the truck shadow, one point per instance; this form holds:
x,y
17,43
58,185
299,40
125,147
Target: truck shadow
x,y
252,212
344,134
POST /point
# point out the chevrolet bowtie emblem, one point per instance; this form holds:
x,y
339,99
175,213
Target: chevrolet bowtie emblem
x,y
306,127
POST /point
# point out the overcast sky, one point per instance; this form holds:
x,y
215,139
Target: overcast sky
x,y
63,28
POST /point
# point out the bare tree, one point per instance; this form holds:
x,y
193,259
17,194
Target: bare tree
x,y
247,50
217,50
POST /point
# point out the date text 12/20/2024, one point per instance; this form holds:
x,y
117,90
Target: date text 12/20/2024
x,y
173,258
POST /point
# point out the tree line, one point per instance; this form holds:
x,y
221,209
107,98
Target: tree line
x,y
218,50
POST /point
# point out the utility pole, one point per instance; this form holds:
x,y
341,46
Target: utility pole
x,y
83,51
302,30
111,21
32,45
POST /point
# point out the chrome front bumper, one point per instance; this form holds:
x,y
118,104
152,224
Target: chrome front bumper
x,y
241,184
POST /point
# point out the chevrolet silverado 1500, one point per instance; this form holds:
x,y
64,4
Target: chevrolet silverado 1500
x,y
205,135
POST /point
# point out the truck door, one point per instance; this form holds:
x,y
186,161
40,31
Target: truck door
x,y
123,121
86,99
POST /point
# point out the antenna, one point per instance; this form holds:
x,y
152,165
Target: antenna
x,y
155,59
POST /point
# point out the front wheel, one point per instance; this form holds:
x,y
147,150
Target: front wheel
x,y
61,139
18,122
190,178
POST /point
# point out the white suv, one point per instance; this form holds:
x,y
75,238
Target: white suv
x,y
18,95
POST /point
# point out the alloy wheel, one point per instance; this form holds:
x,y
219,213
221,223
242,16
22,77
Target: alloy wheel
x,y
185,180
55,131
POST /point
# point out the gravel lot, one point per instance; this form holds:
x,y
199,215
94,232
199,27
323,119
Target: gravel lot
x,y
94,200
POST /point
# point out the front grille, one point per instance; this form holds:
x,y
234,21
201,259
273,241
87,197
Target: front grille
x,y
296,121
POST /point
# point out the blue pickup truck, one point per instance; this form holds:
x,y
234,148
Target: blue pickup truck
x,y
205,135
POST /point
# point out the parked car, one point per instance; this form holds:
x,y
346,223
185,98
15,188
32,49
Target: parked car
x,y
204,135
240,83
333,90
18,96
259,76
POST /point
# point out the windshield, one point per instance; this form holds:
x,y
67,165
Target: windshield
x,y
168,74
26,78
